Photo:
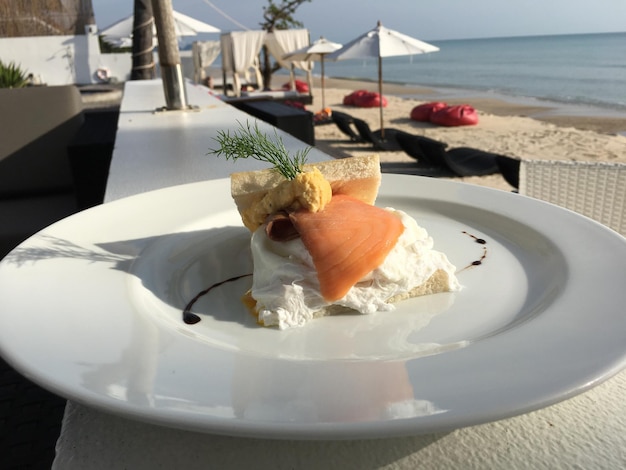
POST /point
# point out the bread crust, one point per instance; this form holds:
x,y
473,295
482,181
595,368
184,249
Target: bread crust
x,y
358,177
436,283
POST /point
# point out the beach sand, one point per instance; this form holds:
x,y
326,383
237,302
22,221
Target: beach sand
x,y
508,128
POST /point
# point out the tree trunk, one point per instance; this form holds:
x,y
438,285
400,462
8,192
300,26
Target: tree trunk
x,y
267,69
143,63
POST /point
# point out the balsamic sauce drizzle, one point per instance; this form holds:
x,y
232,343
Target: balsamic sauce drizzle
x,y
191,318
480,241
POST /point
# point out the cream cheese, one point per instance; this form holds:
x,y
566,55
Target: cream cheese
x,y
287,291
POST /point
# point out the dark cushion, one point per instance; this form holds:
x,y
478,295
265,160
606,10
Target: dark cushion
x,y
431,146
424,149
37,125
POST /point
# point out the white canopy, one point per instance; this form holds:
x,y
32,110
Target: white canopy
x,y
240,52
378,43
280,42
315,52
121,32
240,55
204,54
382,42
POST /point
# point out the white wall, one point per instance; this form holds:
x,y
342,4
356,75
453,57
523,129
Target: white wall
x,y
62,60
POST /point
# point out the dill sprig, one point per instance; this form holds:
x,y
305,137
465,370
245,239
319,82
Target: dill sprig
x,y
249,141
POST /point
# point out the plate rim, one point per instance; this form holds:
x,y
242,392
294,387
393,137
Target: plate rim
x,y
348,430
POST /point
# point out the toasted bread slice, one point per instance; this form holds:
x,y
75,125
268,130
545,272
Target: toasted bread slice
x,y
358,177
437,283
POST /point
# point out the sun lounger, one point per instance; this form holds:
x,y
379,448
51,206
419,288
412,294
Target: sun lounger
x,y
509,167
460,161
374,137
468,161
427,152
344,123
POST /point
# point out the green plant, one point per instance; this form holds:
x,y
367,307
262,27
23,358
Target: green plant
x,y
12,76
108,48
277,15
249,141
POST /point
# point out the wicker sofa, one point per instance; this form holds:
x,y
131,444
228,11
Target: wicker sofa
x,y
50,165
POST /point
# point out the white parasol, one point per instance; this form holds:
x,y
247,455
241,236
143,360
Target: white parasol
x,y
315,52
378,43
120,33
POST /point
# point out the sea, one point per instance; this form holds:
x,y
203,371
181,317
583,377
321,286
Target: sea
x,y
583,73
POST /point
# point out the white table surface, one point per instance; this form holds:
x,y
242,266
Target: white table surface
x,y
155,150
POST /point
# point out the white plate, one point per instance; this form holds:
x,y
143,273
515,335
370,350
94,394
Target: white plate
x,y
91,308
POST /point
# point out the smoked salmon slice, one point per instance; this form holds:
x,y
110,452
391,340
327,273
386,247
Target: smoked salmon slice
x,y
346,240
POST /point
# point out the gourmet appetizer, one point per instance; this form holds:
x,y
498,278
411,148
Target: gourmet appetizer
x,y
319,245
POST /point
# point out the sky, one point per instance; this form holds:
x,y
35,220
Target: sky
x,y
343,20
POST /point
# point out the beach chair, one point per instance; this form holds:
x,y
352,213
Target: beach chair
x,y
389,143
468,161
509,167
594,189
428,152
344,122
459,161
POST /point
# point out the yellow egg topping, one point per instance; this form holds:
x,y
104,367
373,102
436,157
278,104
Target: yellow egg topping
x,y
308,190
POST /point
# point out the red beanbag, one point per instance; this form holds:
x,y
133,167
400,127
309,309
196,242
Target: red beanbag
x,y
301,87
348,100
364,99
423,112
295,104
460,115
370,100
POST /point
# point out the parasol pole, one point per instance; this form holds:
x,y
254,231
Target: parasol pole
x,y
292,77
169,56
380,92
323,99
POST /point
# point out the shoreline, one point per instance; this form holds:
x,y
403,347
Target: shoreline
x,y
515,128
595,119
